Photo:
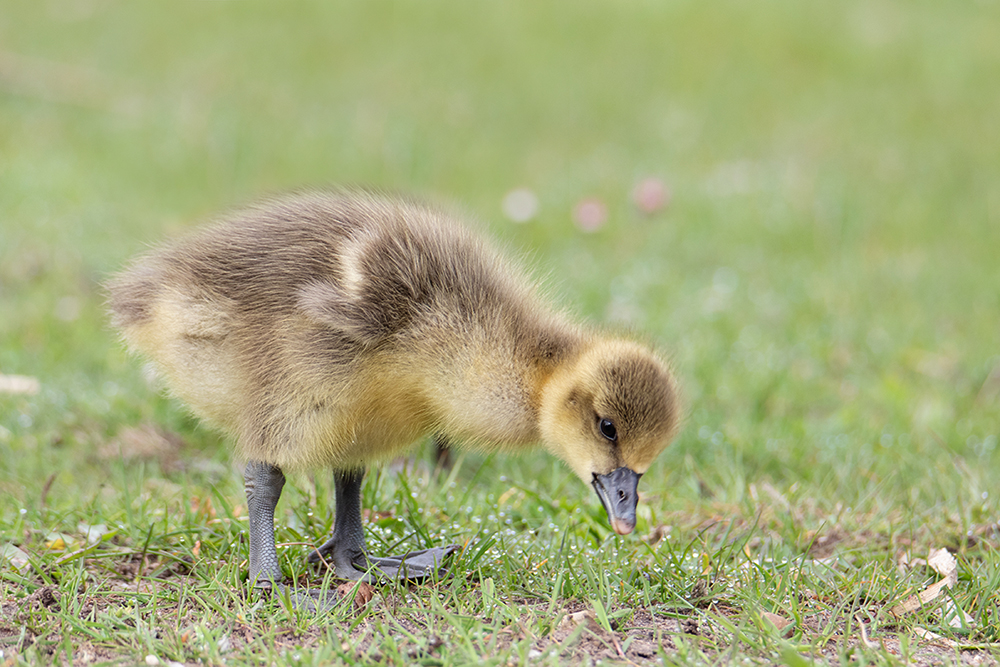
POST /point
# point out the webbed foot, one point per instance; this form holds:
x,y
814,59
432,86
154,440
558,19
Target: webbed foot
x,y
345,550
354,565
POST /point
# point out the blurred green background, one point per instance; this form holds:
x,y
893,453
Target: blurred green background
x,y
825,277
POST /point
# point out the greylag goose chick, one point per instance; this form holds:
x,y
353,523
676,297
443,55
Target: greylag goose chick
x,y
333,330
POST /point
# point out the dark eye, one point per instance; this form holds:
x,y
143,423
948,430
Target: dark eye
x,y
608,429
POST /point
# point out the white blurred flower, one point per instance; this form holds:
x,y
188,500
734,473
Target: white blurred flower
x,y
520,205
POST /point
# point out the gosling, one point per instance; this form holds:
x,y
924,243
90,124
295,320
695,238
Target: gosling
x,y
334,330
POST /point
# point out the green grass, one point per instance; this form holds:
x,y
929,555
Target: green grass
x,y
825,280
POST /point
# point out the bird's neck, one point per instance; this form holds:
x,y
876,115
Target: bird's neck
x,y
489,391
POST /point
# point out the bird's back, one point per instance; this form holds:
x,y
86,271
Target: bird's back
x,y
319,317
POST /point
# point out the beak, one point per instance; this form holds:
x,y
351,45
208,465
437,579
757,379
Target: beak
x,y
618,494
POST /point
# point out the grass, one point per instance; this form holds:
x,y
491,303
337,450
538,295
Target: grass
x,y
824,279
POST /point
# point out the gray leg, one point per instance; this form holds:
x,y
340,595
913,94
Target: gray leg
x,y
263,484
345,550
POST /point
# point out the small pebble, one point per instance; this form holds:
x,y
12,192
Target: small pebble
x,y
152,660
590,214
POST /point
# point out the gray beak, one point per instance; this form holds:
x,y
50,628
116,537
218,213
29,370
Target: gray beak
x,y
618,494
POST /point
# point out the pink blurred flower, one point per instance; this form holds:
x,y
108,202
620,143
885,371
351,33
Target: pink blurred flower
x,y
651,195
590,214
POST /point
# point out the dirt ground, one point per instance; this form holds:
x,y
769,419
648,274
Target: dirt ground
x,y
577,638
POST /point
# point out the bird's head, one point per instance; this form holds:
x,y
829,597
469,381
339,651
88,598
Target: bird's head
x,y
608,413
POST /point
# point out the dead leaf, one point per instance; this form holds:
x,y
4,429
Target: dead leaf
x,y
905,562
364,592
585,618
783,625
17,558
917,601
58,541
942,562
955,616
577,618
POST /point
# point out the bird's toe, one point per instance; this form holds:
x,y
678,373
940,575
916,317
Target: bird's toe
x,y
415,564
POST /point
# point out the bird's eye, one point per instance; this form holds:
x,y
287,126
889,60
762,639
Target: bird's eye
x,y
608,429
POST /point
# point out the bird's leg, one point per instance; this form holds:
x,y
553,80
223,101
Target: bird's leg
x,y
345,550
347,545
443,449
263,483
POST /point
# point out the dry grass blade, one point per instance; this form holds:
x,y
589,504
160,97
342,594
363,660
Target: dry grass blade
x,y
934,637
864,634
920,599
944,564
938,640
